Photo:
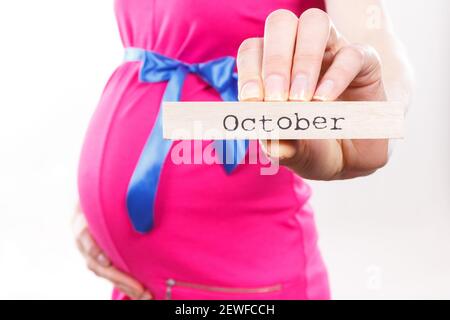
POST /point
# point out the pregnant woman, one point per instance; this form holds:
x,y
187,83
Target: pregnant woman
x,y
162,230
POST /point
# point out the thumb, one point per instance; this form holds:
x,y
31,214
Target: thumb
x,y
279,150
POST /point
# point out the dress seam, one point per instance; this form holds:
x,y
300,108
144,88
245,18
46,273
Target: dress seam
x,y
153,24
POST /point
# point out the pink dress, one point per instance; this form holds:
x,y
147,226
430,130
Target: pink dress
x,y
216,236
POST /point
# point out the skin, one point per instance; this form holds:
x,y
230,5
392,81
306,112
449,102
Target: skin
x,y
99,264
349,54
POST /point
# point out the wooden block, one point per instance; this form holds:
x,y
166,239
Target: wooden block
x,y
283,120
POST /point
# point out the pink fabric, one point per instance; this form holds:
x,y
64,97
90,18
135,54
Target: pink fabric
x,y
240,231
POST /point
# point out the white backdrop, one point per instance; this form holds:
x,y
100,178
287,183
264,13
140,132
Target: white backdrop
x,y
386,236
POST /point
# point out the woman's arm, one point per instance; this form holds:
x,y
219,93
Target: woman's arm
x,y
367,22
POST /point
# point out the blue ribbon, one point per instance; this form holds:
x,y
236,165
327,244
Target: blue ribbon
x,y
219,74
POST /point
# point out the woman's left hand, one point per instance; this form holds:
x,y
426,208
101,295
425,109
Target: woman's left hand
x,y
304,59
99,264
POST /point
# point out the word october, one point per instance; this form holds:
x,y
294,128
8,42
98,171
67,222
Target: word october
x,y
283,120
268,124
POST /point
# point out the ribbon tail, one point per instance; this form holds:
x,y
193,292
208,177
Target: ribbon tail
x,y
231,152
143,186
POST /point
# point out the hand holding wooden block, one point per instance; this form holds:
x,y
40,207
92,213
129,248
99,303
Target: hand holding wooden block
x,y
283,120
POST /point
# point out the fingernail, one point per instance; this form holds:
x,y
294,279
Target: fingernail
x,y
146,296
278,150
103,260
324,91
282,151
275,88
264,146
250,91
299,88
128,292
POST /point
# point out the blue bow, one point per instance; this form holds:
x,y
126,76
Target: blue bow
x,y
143,185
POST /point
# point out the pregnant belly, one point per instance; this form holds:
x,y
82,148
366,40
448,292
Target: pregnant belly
x,y
244,230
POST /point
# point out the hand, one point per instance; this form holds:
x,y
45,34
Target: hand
x,y
98,263
304,59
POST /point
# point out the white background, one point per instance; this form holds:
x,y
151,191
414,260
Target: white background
x,y
387,236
